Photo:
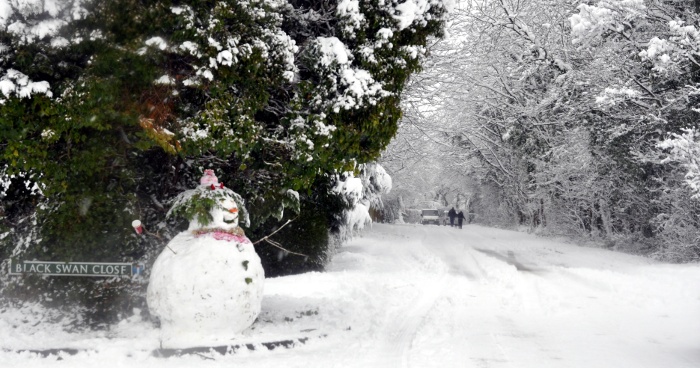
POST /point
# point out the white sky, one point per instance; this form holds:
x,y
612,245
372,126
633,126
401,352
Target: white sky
x,y
433,296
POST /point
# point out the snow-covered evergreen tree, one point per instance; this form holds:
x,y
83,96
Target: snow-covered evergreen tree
x,y
113,107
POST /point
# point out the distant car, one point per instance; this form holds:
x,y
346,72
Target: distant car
x,y
430,217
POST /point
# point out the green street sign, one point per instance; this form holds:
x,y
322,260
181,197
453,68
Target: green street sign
x,y
74,268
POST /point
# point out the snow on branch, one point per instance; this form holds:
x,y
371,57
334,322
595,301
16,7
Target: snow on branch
x,y
685,149
679,49
606,15
354,85
37,19
18,84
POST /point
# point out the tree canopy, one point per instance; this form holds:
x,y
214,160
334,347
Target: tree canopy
x,y
575,117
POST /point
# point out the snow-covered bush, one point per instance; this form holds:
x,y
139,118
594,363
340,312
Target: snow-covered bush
x,y
411,216
361,194
350,189
684,149
376,183
678,230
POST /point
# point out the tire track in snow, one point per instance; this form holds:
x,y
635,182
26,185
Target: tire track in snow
x,y
454,251
557,277
397,336
481,336
404,328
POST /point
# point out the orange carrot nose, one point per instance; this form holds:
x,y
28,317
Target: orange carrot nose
x,y
233,210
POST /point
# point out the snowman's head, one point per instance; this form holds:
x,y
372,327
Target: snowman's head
x,y
211,206
226,214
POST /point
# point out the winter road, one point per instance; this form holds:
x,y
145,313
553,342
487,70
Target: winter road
x,y
431,296
480,297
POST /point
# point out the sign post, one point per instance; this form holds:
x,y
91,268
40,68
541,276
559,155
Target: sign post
x,y
93,269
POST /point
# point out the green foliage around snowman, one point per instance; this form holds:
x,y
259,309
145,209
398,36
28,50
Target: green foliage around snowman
x,y
197,204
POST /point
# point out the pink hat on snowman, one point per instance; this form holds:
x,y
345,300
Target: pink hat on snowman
x,y
208,178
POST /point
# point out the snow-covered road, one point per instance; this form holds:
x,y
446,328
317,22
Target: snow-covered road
x,y
432,296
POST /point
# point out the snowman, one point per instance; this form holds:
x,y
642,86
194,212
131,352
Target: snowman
x,y
206,286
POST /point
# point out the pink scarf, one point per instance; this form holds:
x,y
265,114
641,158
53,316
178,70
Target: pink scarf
x,y
222,235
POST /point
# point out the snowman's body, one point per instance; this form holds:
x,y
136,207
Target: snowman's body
x,y
206,287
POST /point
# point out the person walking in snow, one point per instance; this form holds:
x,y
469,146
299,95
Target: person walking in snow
x,y
452,214
460,218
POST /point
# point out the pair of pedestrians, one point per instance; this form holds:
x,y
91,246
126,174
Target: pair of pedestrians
x,y
452,214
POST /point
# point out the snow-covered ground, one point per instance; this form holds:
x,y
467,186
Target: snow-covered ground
x,y
430,296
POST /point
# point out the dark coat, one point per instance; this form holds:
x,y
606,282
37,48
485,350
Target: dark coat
x,y
452,214
460,217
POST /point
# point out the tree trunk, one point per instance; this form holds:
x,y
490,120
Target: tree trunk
x,y
402,208
605,216
543,219
468,210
